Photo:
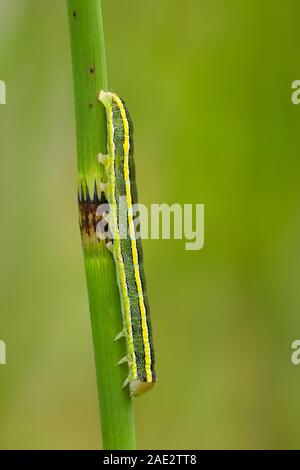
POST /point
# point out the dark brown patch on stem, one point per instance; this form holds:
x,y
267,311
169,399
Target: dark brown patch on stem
x,y
88,217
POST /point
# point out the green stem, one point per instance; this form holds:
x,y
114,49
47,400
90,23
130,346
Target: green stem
x,y
89,72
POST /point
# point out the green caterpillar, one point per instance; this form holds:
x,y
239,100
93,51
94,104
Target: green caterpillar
x,y
127,251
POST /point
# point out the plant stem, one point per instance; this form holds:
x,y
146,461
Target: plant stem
x,y
89,72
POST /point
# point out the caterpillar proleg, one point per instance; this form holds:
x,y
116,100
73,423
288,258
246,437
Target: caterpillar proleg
x,y
127,252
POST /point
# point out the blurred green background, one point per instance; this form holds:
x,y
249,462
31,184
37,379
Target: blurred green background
x,y
208,84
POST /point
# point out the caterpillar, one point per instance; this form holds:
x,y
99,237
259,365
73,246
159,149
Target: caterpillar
x,y
127,251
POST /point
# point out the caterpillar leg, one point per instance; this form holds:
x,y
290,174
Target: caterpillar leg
x,y
110,246
120,335
124,360
103,158
126,382
103,187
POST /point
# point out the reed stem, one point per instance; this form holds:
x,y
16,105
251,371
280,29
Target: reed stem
x,y
89,75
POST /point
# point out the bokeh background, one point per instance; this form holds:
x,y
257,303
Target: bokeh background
x,y
208,84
